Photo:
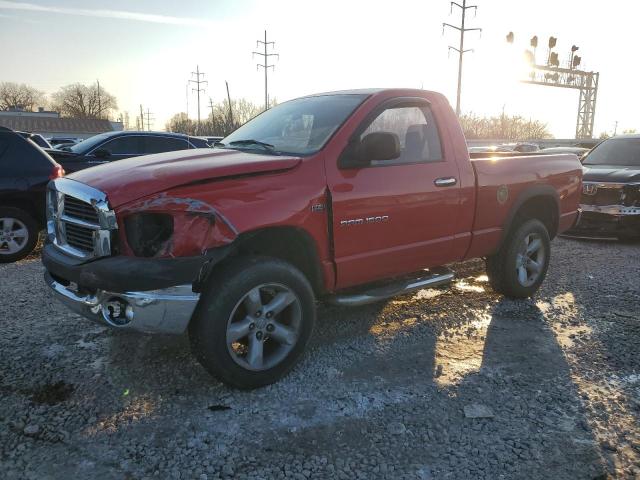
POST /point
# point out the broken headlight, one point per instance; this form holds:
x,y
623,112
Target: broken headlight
x,y
148,233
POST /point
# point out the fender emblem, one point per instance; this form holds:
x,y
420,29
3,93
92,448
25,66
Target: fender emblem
x,y
502,194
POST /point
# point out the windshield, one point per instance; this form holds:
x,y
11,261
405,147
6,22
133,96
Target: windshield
x,y
86,145
297,127
615,151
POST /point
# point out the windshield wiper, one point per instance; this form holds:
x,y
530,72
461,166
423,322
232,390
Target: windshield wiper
x,y
266,146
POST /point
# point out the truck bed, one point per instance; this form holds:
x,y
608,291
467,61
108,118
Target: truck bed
x,y
502,184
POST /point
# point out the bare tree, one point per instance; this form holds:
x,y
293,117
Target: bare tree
x,y
181,123
82,101
20,96
506,127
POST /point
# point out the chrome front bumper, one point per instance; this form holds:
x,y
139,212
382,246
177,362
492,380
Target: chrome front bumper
x,y
158,311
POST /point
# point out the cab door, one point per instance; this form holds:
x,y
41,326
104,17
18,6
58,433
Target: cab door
x,y
393,217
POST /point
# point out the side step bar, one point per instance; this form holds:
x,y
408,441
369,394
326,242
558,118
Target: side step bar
x,y
430,278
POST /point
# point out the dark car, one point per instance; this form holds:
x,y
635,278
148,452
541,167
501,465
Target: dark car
x,y
578,151
56,141
35,138
25,170
107,147
610,202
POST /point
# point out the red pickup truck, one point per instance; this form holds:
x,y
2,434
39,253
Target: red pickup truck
x,y
349,197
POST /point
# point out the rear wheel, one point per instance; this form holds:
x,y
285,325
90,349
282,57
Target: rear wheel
x,y
18,234
254,321
519,267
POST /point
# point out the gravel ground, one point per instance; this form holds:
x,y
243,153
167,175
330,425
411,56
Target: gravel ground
x,y
453,383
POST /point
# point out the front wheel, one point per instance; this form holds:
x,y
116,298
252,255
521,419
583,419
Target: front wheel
x,y
519,267
253,322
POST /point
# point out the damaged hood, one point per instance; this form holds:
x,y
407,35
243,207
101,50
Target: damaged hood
x,y
611,173
127,180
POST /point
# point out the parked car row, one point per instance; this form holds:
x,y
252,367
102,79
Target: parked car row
x,y
112,146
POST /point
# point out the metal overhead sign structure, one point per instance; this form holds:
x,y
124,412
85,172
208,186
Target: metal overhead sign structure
x,y
552,75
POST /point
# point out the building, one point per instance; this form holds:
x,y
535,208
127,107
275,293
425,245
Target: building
x,y
51,124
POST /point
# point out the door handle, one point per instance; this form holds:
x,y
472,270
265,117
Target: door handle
x,y
445,182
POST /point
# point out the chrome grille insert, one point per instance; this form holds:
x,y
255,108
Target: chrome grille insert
x,y
601,194
79,221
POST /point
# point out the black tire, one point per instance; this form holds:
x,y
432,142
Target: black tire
x,y
26,245
221,299
503,268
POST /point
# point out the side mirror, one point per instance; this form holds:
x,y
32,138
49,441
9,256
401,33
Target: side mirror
x,y
101,153
375,146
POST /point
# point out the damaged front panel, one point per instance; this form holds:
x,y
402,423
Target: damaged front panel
x,y
167,226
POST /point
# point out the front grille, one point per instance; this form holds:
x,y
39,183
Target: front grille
x,y
79,221
76,208
603,196
79,237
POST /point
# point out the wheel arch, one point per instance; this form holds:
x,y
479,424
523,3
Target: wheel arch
x,y
26,205
540,202
291,244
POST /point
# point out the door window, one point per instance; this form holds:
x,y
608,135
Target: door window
x,y
128,145
163,144
416,130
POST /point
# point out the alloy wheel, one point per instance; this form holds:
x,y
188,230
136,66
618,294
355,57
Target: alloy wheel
x,y
264,326
14,235
530,260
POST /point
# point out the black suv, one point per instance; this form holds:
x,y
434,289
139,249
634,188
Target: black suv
x,y
110,146
25,170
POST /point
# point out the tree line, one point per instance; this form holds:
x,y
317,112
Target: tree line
x,y
504,127
75,100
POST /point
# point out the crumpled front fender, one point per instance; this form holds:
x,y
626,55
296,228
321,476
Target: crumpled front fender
x,y
197,225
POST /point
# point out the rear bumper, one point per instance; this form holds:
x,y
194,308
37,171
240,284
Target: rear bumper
x,y
165,310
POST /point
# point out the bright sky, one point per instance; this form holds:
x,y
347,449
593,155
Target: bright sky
x,y
143,51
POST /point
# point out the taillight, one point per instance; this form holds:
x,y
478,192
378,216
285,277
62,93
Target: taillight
x,y
57,172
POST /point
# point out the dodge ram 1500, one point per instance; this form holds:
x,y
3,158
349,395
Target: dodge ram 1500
x,y
350,197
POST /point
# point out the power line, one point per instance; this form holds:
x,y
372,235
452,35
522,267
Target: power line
x,y
461,51
198,82
266,65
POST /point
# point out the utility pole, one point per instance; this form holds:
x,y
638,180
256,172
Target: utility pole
x,y
197,81
141,118
615,130
211,107
149,118
461,51
266,65
230,109
99,101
